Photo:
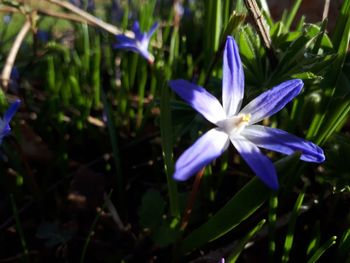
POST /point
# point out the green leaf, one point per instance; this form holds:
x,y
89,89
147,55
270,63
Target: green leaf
x,y
341,23
52,234
165,235
288,243
252,195
241,244
344,247
166,131
322,249
152,209
292,13
235,20
315,241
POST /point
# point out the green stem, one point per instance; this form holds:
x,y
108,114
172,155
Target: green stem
x,y
91,231
167,145
19,229
115,148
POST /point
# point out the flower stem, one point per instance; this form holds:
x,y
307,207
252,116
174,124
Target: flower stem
x,y
191,200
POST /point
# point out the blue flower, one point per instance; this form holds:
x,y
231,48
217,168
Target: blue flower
x,y
239,125
90,6
139,43
5,122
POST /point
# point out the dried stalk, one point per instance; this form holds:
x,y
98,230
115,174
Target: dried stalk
x,y
263,30
325,9
91,19
6,72
191,200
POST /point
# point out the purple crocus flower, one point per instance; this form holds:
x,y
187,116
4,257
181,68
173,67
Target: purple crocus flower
x,y
139,43
239,125
5,122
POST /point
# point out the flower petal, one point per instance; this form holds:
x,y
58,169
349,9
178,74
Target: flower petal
x,y
11,111
207,148
136,30
123,39
4,123
260,164
128,46
152,29
233,78
273,100
133,47
283,142
200,99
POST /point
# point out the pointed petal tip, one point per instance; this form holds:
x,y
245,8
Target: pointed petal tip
x,y
199,99
173,83
12,110
153,29
232,79
180,178
257,161
270,181
294,84
16,104
230,38
299,83
274,185
318,156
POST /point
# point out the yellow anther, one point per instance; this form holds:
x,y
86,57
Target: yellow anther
x,y
246,117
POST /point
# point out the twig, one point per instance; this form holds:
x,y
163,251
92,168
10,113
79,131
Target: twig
x,y
91,19
191,200
263,30
259,21
92,230
63,16
325,9
6,72
114,213
51,13
8,9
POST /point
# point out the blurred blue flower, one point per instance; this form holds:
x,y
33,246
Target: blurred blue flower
x,y
239,125
7,19
139,43
5,122
90,7
43,36
14,79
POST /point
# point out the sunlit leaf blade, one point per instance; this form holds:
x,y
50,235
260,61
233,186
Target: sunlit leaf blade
x,y
315,241
319,252
343,252
292,13
240,246
252,195
288,243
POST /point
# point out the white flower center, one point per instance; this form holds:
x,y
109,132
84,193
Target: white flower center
x,y
235,124
142,44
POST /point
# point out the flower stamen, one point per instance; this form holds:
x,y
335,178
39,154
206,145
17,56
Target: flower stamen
x,y
235,124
